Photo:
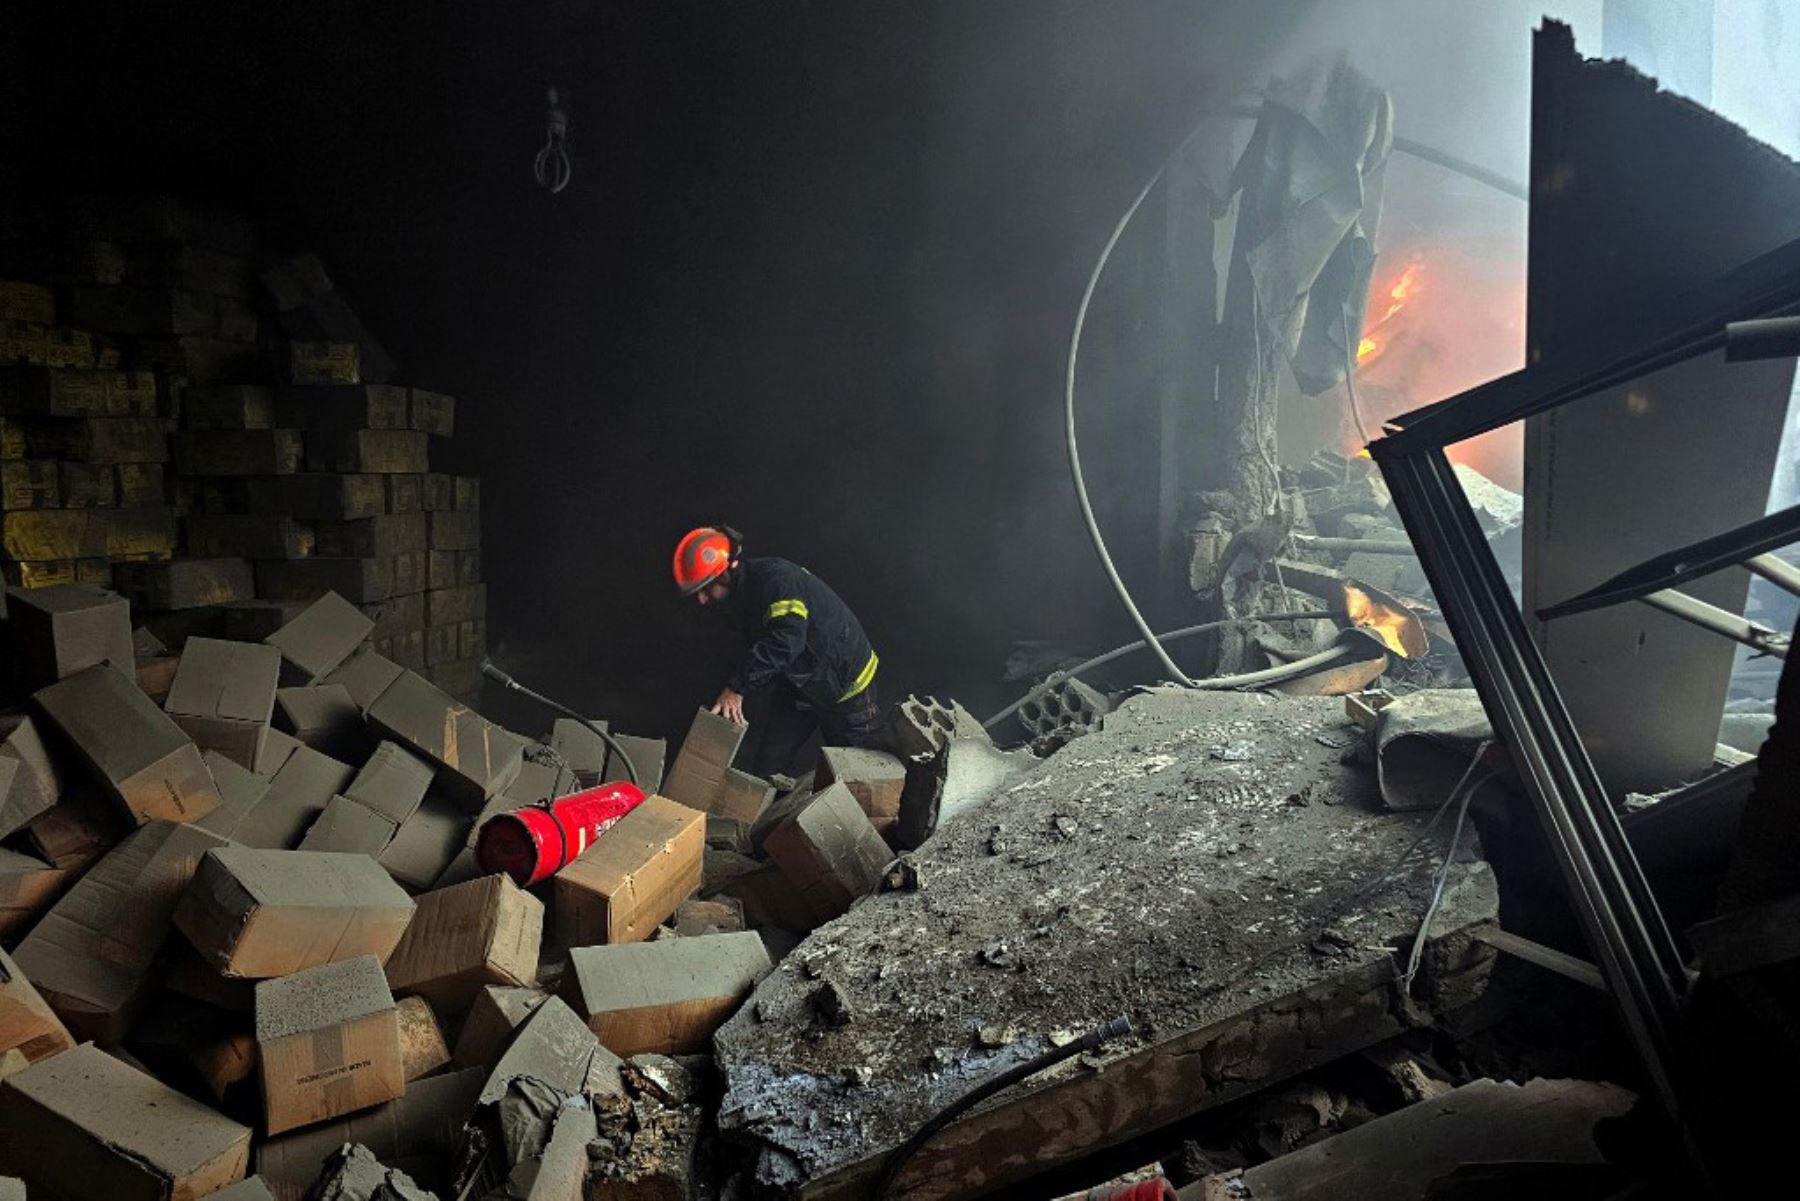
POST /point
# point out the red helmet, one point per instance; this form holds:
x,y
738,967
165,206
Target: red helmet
x,y
703,556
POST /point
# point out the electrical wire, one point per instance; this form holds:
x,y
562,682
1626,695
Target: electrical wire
x,y
1467,790
1081,494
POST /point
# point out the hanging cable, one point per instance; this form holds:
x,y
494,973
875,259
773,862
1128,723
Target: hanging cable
x,y
1466,788
1081,495
552,164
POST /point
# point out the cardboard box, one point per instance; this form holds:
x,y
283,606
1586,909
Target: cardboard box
x,y
137,484
374,452
238,452
359,580
347,827
255,913
186,974
31,484
27,1023
494,1013
56,632
645,754
319,497
85,486
432,412
240,791
42,391
228,407
876,779
409,571
742,797
43,534
366,674
768,899
666,997
440,645
426,843
20,301
323,717
705,757
156,675
422,1046
329,1040
440,493
78,829
418,1133
29,780
252,1188
28,885
186,583
722,915
224,696
476,759
536,781
468,493
555,1046
99,439
277,750
405,493
324,363
392,782
132,748
250,536
373,537
319,641
83,1124
94,572
343,408
829,852
447,606
138,535
455,531
397,615
621,888
91,955
486,931
299,790
443,568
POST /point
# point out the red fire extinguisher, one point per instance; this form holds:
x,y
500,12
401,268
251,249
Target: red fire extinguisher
x,y
534,843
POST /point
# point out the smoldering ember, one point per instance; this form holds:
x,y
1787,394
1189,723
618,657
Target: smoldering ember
x,y
1037,600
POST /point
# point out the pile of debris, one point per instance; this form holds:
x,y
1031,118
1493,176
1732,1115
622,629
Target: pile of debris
x,y
246,927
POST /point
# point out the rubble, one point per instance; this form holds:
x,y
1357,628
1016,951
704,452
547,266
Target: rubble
x,y
1048,933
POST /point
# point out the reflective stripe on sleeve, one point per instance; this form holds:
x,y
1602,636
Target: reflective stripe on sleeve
x,y
863,680
786,608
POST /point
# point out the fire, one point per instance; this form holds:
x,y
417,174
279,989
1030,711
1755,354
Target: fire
x,y
1404,291
1386,618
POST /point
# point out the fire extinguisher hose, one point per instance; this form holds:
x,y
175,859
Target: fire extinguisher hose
x,y
500,677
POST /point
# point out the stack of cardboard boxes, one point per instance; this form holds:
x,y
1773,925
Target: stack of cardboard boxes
x,y
230,951
216,434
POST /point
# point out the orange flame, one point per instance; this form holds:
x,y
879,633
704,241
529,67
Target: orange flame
x,y
1388,620
1404,291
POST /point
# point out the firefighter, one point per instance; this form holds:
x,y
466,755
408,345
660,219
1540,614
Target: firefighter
x,y
806,648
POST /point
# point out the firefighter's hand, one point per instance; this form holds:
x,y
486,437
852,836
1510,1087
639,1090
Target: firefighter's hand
x,y
730,704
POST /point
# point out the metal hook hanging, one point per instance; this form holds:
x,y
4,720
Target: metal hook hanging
x,y
552,164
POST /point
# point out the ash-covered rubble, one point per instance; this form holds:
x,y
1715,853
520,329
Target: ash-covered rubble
x,y
1210,864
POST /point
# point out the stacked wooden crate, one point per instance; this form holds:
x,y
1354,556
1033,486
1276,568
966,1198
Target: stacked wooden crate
x,y
295,464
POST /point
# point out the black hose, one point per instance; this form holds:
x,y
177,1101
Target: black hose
x,y
499,677
1119,1027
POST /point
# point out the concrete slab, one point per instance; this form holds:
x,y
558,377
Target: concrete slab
x,y
1196,865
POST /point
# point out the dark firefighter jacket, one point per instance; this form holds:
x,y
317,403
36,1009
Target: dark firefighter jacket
x,y
799,630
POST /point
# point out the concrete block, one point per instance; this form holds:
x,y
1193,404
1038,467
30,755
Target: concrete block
x,y
358,580
89,486
237,452
324,363
455,531
31,484
375,452
228,407
342,408
373,537
138,485
320,496
432,413
248,536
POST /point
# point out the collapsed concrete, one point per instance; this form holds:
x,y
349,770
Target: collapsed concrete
x,y
1203,864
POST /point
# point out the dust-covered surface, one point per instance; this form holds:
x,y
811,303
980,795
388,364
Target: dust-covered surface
x,y
1198,857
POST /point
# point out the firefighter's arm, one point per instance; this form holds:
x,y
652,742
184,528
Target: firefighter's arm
x,y
783,638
